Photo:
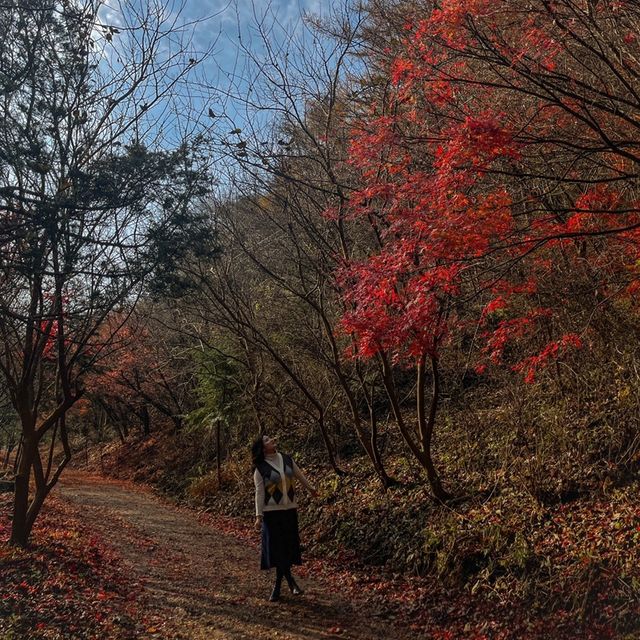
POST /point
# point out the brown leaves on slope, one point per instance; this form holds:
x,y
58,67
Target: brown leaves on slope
x,y
67,584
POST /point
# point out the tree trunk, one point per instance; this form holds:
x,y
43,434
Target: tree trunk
x,y
16,461
19,527
387,480
387,380
146,421
421,451
218,455
7,457
426,424
26,519
368,443
327,442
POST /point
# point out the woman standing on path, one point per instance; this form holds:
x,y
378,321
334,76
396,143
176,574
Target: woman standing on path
x,y
276,511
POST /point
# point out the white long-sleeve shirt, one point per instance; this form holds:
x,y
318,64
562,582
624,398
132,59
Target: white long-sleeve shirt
x,y
276,461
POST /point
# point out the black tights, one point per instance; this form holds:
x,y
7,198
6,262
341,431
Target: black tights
x,y
284,572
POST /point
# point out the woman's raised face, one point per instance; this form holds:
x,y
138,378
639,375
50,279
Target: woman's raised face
x,y
269,444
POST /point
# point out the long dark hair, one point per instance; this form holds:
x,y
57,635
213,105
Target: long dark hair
x,y
257,452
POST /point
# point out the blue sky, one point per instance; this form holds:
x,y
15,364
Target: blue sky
x,y
234,27
230,23
236,34
226,19
229,29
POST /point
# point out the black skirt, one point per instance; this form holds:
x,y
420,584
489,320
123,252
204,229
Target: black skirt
x,y
280,539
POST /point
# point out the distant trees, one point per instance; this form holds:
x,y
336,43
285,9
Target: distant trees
x,y
145,375
93,179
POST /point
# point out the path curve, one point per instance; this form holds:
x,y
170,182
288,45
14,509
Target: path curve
x,y
201,583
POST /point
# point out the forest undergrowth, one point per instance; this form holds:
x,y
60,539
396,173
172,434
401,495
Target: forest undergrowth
x,y
543,543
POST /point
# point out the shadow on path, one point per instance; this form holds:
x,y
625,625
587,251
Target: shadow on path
x,y
203,584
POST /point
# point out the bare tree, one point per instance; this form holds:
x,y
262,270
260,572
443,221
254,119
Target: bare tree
x,y
290,172
97,182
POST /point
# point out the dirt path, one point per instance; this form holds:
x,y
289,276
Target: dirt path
x,y
204,584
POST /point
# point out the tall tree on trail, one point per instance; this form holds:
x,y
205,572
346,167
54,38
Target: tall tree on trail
x,y
91,188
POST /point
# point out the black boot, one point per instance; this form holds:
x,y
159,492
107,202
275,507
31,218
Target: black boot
x,y
295,589
275,594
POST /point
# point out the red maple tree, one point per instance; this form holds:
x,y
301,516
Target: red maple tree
x,y
502,158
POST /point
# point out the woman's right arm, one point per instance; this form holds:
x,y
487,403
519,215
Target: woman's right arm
x,y
258,481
